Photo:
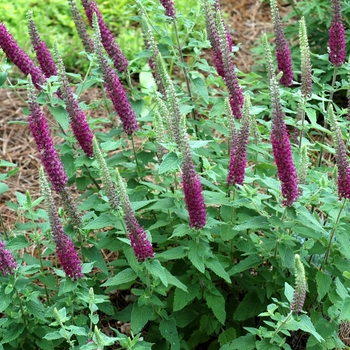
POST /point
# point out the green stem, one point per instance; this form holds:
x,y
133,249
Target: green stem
x,y
42,267
3,226
302,123
22,310
277,227
295,9
281,325
333,231
135,156
86,76
325,119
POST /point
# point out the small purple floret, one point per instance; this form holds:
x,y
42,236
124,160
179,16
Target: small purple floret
x,y
7,261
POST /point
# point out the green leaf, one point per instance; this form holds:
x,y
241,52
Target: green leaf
x,y
60,115
172,253
36,308
17,243
227,335
53,335
257,222
28,269
104,220
182,298
214,264
323,282
288,291
306,325
266,345
170,163
249,307
77,330
175,281
125,276
12,333
156,270
3,188
196,254
93,254
341,290
251,261
3,77
67,285
5,301
247,342
201,87
345,309
168,330
199,143
216,302
140,315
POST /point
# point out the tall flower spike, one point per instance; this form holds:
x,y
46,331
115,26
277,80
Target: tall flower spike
x,y
151,45
337,36
81,28
304,165
191,184
66,254
114,87
42,52
231,81
107,39
78,122
306,74
300,286
169,7
7,262
283,55
15,54
41,133
340,157
108,185
139,241
282,149
348,114
238,156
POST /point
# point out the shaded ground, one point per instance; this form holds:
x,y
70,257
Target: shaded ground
x,y
246,20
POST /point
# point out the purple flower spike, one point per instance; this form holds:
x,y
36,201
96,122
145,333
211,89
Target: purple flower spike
x,y
78,120
107,39
43,54
114,87
193,193
283,55
15,54
337,36
7,262
67,256
169,8
282,149
139,242
48,154
238,156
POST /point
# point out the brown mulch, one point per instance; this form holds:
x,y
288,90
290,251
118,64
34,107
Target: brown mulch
x,y
246,20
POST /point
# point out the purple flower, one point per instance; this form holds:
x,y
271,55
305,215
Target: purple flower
x,y
81,28
139,242
7,262
107,39
48,154
193,193
43,54
115,89
340,158
283,55
15,54
337,36
78,120
282,149
66,254
238,155
169,8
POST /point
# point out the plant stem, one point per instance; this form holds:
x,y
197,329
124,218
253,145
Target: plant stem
x,y
3,226
325,120
86,75
302,122
281,325
333,231
276,243
135,156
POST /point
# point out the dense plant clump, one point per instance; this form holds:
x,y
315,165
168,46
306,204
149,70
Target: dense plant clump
x,y
211,214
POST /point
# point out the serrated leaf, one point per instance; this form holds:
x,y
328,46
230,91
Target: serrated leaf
x,y
323,282
17,243
249,307
60,115
175,281
87,267
104,220
5,301
251,261
266,345
168,330
156,270
257,222
182,298
140,315
201,88
288,291
247,342
3,188
227,335
36,308
77,330
125,276
29,269
173,253
170,163
12,333
3,77
345,309
196,254
216,303
341,290
94,255
53,335
214,265
306,325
